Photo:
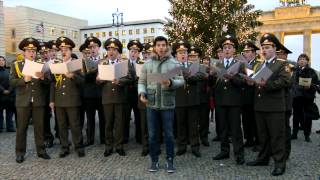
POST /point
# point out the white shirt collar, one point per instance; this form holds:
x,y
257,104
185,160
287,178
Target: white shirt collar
x,y
269,60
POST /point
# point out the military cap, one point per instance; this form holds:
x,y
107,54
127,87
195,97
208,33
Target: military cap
x,y
43,46
194,50
91,40
53,44
135,44
181,45
229,39
83,47
250,46
113,43
65,42
148,47
282,48
270,39
29,43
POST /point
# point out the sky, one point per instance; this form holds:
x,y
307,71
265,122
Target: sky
x,y
100,12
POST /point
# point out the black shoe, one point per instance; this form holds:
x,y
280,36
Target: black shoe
x,y
81,153
294,136
249,144
240,161
278,171
205,143
181,152
88,143
307,139
121,152
49,143
107,152
318,131
19,159
64,154
196,153
221,156
145,152
216,138
44,156
258,163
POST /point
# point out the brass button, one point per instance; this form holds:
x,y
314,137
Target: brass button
x,y
225,88
225,80
32,83
112,89
63,93
259,87
64,79
63,86
32,90
259,95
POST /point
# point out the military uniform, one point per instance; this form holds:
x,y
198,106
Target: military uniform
x,y
48,137
132,92
30,102
270,106
228,108
113,101
203,84
247,109
65,94
92,95
187,106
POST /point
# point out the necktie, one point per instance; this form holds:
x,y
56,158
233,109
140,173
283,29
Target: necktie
x,y
227,65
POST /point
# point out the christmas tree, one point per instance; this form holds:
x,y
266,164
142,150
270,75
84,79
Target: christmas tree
x,y
203,22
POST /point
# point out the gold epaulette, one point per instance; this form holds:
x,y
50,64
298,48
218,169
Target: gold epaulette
x,y
18,71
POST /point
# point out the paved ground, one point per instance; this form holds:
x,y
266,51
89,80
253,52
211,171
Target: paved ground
x,y
303,164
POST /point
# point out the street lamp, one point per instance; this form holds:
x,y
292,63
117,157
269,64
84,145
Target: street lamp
x,y
117,14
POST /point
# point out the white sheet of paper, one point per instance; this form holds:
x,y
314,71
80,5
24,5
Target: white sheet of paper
x,y
158,77
264,73
58,68
234,69
194,68
249,72
30,68
74,65
114,71
138,69
106,72
305,82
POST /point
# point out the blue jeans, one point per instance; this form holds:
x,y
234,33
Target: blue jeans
x,y
154,118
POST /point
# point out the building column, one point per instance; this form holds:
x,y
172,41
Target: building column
x,y
280,36
307,42
2,40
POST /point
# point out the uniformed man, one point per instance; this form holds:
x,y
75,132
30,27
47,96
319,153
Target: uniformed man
x,y
53,51
282,53
228,103
187,103
84,51
147,51
113,101
269,106
45,57
203,88
220,56
135,48
92,92
65,98
30,100
247,94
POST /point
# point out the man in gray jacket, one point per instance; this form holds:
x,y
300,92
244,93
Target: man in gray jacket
x,y
160,100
